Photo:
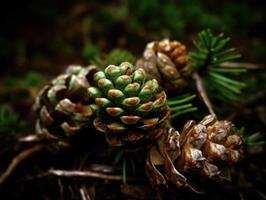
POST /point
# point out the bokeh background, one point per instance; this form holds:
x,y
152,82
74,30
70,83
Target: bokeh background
x,y
46,35
39,39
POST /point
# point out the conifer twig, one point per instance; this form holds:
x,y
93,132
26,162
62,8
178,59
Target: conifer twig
x,y
202,92
214,56
18,159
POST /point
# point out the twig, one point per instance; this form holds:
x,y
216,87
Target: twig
x,y
66,173
61,189
241,65
18,159
84,194
30,138
202,92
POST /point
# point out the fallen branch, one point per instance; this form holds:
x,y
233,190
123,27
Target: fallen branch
x,y
18,159
202,92
91,174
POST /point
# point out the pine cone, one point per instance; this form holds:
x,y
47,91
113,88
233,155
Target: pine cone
x,y
160,167
131,110
200,148
167,62
207,144
64,106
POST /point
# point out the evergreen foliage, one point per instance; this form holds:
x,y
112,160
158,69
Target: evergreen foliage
x,y
211,52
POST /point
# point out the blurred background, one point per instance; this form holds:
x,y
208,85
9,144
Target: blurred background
x,y
45,36
38,39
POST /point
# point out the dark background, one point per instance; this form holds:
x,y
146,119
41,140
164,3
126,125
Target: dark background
x,y
47,35
39,38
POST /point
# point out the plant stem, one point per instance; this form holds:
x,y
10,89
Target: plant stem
x,y
202,92
18,159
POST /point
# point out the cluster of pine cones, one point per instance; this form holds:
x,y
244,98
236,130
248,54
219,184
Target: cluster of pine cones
x,y
127,103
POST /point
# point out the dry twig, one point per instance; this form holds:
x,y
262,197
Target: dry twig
x,y
18,159
202,92
91,174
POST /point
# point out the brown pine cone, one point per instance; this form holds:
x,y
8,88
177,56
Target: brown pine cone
x,y
207,144
166,61
160,167
63,106
199,148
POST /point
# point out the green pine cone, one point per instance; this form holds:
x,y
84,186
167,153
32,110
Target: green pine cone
x,y
130,109
63,106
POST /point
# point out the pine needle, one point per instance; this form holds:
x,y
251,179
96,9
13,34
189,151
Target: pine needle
x,y
212,51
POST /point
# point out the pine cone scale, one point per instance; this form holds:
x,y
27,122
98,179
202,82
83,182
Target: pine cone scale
x,y
167,62
208,143
130,107
64,106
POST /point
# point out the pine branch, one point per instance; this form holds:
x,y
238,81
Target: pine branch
x,y
211,59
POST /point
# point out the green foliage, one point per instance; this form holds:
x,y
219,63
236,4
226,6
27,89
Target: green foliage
x,y
254,139
181,105
9,120
212,51
32,79
127,161
115,57
91,51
